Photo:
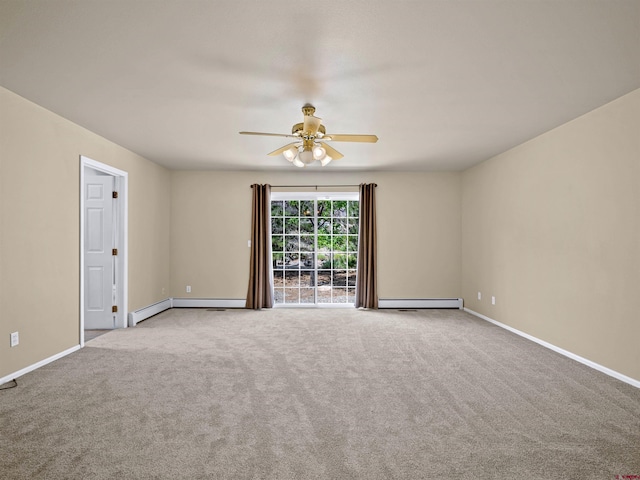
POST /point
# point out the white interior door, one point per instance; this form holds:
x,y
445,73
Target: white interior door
x,y
98,256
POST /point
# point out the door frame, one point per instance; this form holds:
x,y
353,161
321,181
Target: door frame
x,y
312,195
121,184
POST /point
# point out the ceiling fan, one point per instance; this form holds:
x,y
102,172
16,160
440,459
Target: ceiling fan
x,y
311,138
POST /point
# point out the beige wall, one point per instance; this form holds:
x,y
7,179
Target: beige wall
x,y
552,229
39,228
418,230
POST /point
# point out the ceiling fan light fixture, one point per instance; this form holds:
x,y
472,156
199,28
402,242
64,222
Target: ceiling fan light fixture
x,y
325,161
306,156
290,153
319,152
296,161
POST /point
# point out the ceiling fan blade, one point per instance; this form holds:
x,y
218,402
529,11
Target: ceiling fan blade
x,y
311,124
339,137
282,149
269,134
332,152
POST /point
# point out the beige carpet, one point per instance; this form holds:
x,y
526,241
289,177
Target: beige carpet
x,y
305,394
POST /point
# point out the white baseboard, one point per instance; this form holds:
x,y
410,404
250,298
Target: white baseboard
x,y
39,364
420,303
209,302
561,351
149,311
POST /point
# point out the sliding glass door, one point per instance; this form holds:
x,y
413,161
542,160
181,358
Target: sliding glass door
x,y
314,240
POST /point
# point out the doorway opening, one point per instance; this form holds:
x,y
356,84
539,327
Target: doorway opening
x,y
103,247
314,243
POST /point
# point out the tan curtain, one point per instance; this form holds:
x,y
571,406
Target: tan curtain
x,y
260,291
366,284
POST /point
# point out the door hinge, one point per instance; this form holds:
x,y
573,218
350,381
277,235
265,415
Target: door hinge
x,y
114,195
114,309
114,251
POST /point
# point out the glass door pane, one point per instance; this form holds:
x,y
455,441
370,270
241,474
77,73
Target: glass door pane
x,y
315,249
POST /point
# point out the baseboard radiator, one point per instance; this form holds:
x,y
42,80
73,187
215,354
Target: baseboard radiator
x,y
394,303
420,303
382,303
209,303
149,311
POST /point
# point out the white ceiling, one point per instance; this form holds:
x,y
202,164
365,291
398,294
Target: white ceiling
x,y
444,84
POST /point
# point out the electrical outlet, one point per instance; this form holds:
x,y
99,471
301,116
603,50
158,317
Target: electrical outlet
x,y
493,300
188,288
15,339
249,243
479,296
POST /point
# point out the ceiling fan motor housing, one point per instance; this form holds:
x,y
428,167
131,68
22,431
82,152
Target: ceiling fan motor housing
x,y
299,127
